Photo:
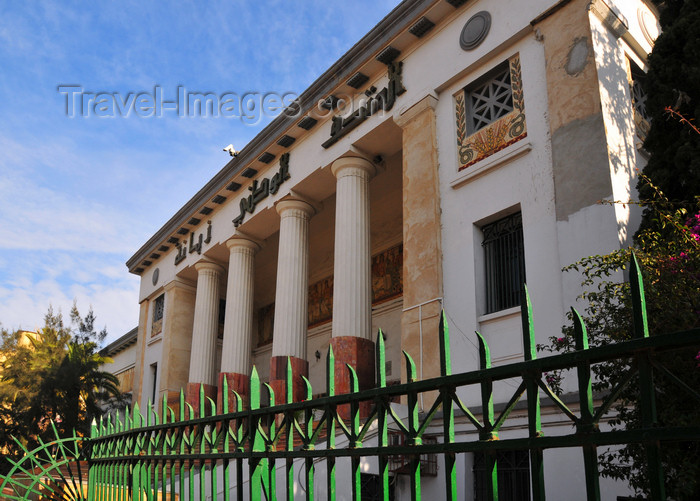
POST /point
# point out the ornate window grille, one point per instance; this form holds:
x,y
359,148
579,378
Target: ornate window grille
x,y
371,488
504,255
639,95
158,308
489,99
513,476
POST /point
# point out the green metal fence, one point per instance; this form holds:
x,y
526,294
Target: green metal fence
x,y
236,454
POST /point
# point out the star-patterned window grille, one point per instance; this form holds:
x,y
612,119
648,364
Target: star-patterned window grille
x,y
639,95
489,100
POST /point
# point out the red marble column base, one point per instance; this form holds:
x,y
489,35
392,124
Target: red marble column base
x,y
192,397
240,383
358,353
278,378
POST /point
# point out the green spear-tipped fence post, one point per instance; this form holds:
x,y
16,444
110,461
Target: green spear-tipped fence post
x,y
289,416
200,430
151,483
308,445
382,425
330,424
167,471
212,438
136,477
92,469
181,403
448,414
128,421
587,424
270,479
239,446
203,435
647,394
127,465
488,433
533,399
356,472
257,465
225,428
413,426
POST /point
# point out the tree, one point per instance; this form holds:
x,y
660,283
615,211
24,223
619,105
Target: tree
x,y
55,377
673,80
669,252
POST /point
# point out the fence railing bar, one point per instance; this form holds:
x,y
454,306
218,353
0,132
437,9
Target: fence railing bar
x,y
517,395
562,361
612,397
675,379
147,455
641,436
467,413
557,401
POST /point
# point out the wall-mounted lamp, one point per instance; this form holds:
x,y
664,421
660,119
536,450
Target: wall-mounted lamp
x,y
318,355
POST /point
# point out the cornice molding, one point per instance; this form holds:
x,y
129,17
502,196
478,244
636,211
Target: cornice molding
x,y
395,22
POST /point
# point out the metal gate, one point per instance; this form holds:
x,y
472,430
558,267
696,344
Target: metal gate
x,y
236,453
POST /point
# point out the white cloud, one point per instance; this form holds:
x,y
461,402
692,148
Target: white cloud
x,y
37,217
58,278
79,196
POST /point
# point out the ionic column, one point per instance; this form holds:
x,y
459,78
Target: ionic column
x,y
238,320
291,298
206,319
352,285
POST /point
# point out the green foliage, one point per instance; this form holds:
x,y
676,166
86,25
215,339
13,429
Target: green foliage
x,y
668,248
53,376
673,83
669,253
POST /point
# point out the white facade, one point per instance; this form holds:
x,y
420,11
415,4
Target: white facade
x,y
412,181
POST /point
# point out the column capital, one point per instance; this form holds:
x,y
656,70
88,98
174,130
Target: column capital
x,y
406,115
347,166
283,206
242,243
205,265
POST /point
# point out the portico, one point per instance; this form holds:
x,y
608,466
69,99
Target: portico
x,y
297,276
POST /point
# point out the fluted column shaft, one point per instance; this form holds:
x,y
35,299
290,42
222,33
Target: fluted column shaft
x,y
238,319
291,295
352,279
206,319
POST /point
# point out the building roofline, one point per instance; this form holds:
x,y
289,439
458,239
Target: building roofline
x,y
394,22
121,343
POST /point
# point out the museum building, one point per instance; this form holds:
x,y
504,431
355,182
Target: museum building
x,y
455,152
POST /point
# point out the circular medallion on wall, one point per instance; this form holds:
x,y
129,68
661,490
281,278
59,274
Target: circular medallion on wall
x,y
475,30
649,25
156,272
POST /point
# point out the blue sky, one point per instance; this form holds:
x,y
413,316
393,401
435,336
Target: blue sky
x,y
79,195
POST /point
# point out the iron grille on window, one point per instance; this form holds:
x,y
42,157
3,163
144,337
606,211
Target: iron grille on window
x,y
158,308
504,255
639,95
400,464
371,487
513,476
489,100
